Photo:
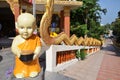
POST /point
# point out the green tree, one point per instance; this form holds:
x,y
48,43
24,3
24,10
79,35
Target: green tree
x,y
116,29
107,27
88,14
89,10
79,30
119,14
95,30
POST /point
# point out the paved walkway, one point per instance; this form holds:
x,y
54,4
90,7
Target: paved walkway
x,y
5,42
103,65
110,67
85,69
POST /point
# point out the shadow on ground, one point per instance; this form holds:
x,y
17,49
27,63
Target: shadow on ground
x,y
111,48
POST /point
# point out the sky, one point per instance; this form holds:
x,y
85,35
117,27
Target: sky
x,y
113,7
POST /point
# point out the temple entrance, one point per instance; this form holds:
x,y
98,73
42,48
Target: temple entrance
x,y
7,25
7,21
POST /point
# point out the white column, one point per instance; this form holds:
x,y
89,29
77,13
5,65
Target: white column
x,y
34,8
50,59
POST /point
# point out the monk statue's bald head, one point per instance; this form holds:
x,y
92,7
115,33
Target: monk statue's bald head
x,y
26,19
26,25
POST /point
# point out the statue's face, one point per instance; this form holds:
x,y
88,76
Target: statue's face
x,y
25,31
26,25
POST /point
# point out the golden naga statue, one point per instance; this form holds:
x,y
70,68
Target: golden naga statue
x,y
62,37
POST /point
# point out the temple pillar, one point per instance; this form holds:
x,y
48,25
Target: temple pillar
x,y
15,7
62,21
16,10
67,20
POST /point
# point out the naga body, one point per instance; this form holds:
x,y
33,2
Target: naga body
x,y
62,37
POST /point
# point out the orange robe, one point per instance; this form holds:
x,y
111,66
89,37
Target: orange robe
x,y
32,66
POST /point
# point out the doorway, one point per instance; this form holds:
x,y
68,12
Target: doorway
x,y
7,21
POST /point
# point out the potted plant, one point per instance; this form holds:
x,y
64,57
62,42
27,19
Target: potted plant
x,y
78,54
82,54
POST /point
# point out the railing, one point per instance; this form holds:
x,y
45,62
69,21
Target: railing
x,y
58,57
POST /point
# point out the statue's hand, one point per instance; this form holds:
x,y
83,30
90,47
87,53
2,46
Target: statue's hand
x,y
36,52
35,56
18,55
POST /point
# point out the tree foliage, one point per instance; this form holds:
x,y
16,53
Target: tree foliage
x,y
116,29
79,30
96,30
119,14
88,14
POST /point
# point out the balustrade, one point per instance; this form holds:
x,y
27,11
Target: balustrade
x,y
64,56
58,57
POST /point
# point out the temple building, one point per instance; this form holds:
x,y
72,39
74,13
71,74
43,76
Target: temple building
x,y
10,10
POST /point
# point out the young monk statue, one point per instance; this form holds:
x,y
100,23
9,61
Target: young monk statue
x,y
26,46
